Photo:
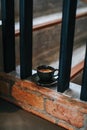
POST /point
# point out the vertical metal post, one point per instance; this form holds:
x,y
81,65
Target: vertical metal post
x,y
83,95
66,45
8,33
26,7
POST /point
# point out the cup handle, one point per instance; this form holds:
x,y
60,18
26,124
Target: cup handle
x,y
55,75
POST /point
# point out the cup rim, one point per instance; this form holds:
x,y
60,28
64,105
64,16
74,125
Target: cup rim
x,y
45,67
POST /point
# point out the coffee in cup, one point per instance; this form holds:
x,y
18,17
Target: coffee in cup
x,y
46,73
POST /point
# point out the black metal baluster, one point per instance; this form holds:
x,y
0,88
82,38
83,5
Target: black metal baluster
x,y
8,33
83,95
26,7
66,46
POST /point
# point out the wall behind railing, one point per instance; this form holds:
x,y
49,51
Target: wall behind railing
x,y
46,42
44,7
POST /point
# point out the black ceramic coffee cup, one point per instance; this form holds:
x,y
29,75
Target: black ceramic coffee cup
x,y
46,73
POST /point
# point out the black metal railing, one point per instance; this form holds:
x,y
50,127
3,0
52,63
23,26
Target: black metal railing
x,y
8,32
26,7
66,44
83,95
